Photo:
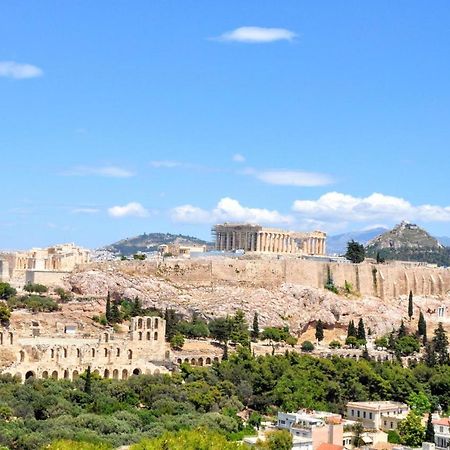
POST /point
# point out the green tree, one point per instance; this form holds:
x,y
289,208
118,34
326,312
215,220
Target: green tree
x,y
351,330
276,440
356,252
422,327
291,340
419,402
382,341
411,430
407,345
108,314
358,430
177,341
352,342
440,342
410,305
136,309
171,319
401,331
5,313
220,329
429,357
88,381
115,313
307,346
6,291
429,430
35,287
334,344
319,331
255,420
239,329
361,332
255,328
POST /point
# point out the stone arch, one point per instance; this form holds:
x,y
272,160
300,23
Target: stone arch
x,y
22,356
66,375
55,374
75,375
115,374
179,361
156,323
106,337
106,373
11,338
200,361
106,352
216,359
208,360
52,353
78,353
186,360
193,361
130,354
44,374
118,352
65,352
136,371
29,374
156,336
149,323
140,335
124,374
139,323
1,338
93,352
96,372
149,335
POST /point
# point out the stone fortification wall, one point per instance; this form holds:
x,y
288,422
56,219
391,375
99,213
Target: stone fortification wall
x,y
380,280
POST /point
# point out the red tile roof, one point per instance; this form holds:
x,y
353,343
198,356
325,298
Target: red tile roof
x,y
330,447
444,421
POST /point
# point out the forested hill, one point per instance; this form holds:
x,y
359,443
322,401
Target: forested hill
x,y
409,242
150,242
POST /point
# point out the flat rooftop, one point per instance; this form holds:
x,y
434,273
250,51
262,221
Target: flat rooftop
x,y
377,405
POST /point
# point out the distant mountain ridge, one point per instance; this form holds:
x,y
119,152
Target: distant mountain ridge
x,y
149,242
337,244
409,242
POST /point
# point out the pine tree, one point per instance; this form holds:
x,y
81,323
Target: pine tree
x,y
410,305
440,342
361,333
136,309
171,323
429,431
429,356
351,330
108,308
319,331
391,341
402,330
422,327
255,329
88,381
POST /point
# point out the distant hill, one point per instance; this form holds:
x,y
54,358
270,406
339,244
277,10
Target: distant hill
x,y
409,242
444,240
338,243
150,242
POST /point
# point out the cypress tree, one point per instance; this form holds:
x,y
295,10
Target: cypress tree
x,y
136,310
351,330
115,313
440,342
429,432
402,330
171,323
410,305
422,327
108,308
319,331
429,356
361,333
391,341
255,329
88,381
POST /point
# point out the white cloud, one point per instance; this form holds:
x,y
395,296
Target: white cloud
x,y
335,206
133,209
105,171
293,178
237,157
85,211
255,35
11,69
228,209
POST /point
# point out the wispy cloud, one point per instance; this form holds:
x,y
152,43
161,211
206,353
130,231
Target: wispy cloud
x,y
132,209
85,211
257,35
335,206
228,209
296,178
105,171
19,71
237,157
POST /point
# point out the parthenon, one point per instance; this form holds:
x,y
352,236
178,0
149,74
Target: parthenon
x,y
255,238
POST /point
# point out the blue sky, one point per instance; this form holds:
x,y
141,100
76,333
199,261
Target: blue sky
x,y
119,118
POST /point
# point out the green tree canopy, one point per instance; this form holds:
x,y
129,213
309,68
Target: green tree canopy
x,y
411,430
356,252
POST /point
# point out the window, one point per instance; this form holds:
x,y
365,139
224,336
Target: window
x,y
353,412
370,416
364,414
392,424
385,423
358,413
441,311
441,429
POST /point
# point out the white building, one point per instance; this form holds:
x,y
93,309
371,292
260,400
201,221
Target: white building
x,y
442,433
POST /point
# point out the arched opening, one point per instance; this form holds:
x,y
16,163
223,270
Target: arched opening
x,y
136,372
140,335
193,361
65,353
44,374
149,323
216,359
52,353
124,374
115,374
156,336
139,323
55,375
1,338
208,360
66,374
78,352
11,338
118,352
179,361
22,356
106,337
106,352
96,372
29,374
93,352
75,375
106,373
156,323
130,354
149,335
186,360
200,361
